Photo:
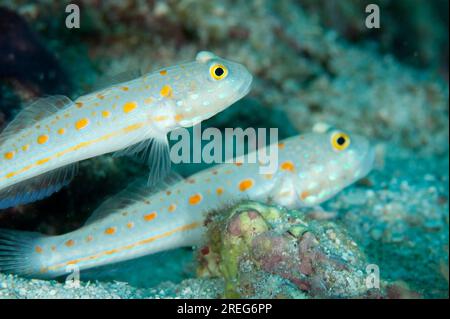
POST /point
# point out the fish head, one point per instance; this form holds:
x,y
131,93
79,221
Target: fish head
x,y
210,85
328,163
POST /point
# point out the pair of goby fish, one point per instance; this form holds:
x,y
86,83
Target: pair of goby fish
x,y
40,152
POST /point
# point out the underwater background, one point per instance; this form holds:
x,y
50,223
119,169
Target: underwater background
x,y
313,62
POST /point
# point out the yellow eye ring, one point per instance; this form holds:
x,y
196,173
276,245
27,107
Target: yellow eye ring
x,y
340,141
218,71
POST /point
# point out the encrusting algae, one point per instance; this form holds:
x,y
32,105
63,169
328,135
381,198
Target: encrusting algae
x,y
271,252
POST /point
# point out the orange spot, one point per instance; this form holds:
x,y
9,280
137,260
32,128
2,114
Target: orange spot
x,y
178,117
89,238
281,145
130,225
9,155
101,97
106,114
304,195
166,91
150,216
70,243
61,131
129,107
42,161
238,164
38,249
125,88
287,166
25,147
245,185
81,124
195,199
42,139
110,230
163,72
219,191
79,104
132,128
112,251
172,207
160,118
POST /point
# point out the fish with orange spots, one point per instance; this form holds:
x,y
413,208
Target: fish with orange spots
x,y
137,222
40,148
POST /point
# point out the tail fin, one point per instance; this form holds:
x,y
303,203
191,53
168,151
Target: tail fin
x,y
18,252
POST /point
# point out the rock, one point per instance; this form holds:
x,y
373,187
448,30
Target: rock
x,y
250,244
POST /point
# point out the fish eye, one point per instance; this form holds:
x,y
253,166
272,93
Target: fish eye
x,y
340,141
218,71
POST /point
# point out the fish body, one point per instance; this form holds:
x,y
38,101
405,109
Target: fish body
x,y
39,149
313,168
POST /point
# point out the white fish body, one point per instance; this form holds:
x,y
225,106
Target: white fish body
x,y
40,148
313,168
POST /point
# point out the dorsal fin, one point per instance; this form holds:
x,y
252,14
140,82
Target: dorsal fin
x,y
155,153
38,187
33,113
137,191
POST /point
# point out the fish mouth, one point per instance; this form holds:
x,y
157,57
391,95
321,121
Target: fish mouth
x,y
245,87
240,93
368,162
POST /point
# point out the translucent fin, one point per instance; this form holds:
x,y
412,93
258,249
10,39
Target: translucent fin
x,y
37,187
107,81
34,112
155,152
137,191
16,251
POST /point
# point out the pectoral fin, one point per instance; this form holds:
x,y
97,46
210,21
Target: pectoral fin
x,y
155,152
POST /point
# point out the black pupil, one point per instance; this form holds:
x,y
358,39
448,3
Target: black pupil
x,y
219,71
341,140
